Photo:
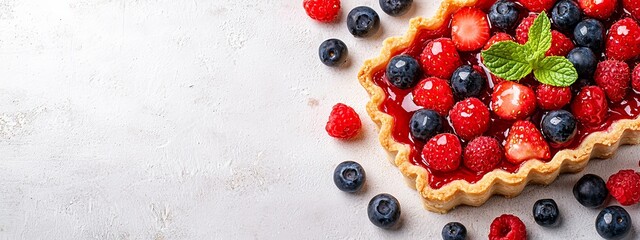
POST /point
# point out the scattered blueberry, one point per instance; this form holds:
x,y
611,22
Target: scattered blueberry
x,y
454,231
589,33
613,223
403,71
591,191
559,126
363,21
584,60
467,82
425,124
333,52
384,211
395,7
349,176
546,213
566,14
504,15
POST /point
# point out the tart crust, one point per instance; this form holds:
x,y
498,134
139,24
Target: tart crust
x,y
596,145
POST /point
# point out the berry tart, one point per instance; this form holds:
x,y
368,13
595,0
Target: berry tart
x,y
489,95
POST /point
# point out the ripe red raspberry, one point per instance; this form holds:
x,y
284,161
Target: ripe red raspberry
x,y
624,186
614,78
590,106
635,82
435,94
507,227
440,58
561,45
344,122
470,118
522,32
443,152
538,5
623,40
553,98
483,154
499,37
322,10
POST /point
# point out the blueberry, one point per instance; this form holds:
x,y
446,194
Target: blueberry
x,y
349,176
591,191
559,126
504,15
578,85
566,14
546,213
395,7
584,60
425,124
333,52
363,22
403,71
589,33
454,231
467,82
384,211
613,223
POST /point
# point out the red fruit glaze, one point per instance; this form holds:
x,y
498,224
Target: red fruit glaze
x,y
443,152
483,154
590,106
469,29
623,40
435,94
440,58
513,101
614,78
624,186
553,98
507,227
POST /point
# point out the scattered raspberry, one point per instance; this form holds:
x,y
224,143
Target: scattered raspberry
x,y
590,106
483,154
440,58
507,227
601,9
635,81
553,98
537,5
614,78
522,32
343,122
561,45
435,94
633,6
624,186
470,118
525,142
322,10
499,37
513,101
470,29
443,152
623,40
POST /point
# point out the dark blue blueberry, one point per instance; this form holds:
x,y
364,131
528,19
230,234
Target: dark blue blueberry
x,y
384,211
578,85
333,52
559,126
504,15
395,7
584,60
363,21
425,124
403,71
589,33
546,213
591,191
613,223
467,82
349,176
454,231
566,14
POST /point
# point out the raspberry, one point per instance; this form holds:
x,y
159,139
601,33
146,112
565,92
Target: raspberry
x,y
507,227
614,78
624,186
435,94
322,10
561,45
440,58
635,82
344,122
483,154
553,98
590,106
470,118
443,152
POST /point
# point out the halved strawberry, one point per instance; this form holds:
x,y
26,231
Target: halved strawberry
x,y
470,29
513,101
525,142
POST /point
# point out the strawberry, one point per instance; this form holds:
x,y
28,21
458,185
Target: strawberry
x,y
525,142
435,94
623,40
483,154
553,98
470,29
513,101
635,79
443,152
633,7
561,45
322,10
440,58
538,5
624,186
470,118
522,32
601,9
590,106
498,37
614,78
344,122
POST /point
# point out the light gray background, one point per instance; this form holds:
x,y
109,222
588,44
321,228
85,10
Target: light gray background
x,y
204,119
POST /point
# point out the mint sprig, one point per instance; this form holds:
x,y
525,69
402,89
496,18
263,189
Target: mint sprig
x,y
512,61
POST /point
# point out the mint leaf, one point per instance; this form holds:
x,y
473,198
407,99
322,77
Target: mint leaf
x,y
539,36
508,60
556,71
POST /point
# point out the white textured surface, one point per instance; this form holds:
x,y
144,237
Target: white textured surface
x,y
166,119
